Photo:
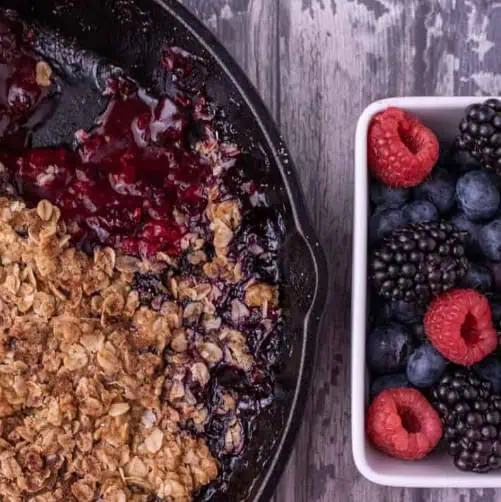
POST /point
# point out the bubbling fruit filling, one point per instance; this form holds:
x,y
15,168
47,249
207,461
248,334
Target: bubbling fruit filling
x,y
134,182
139,291
139,180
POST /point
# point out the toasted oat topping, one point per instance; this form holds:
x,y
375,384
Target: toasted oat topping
x,y
98,388
82,373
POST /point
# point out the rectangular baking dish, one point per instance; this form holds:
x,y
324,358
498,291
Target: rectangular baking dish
x,y
442,114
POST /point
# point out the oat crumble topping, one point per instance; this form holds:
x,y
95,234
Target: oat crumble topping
x,y
94,385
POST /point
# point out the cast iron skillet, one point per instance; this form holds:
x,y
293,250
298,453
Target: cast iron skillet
x,y
89,40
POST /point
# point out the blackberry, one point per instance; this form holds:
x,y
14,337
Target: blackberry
x,y
419,261
480,133
471,413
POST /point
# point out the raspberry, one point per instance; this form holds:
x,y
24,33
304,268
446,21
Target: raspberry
x,y
401,150
403,424
459,324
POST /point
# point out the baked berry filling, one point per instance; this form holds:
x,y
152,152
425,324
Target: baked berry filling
x,y
132,183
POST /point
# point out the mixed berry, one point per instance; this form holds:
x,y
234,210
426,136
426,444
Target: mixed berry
x,y
435,275
402,151
402,423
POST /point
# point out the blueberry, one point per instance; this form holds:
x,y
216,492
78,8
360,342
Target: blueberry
x,y
478,277
388,348
385,221
462,161
383,195
388,382
439,188
405,312
489,238
462,222
420,211
477,195
490,369
425,366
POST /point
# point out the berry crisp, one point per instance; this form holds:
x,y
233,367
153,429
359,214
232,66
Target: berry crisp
x,y
139,291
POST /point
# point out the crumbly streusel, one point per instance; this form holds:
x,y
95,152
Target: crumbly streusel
x,y
93,384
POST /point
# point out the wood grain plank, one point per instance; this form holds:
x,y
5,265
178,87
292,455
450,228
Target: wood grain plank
x,y
327,49
247,29
331,59
350,55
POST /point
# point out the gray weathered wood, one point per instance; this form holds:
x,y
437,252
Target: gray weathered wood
x,y
318,63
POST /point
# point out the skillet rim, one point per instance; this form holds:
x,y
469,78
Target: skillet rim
x,y
303,224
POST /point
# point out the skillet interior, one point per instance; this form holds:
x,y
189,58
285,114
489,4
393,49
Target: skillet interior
x,y
89,40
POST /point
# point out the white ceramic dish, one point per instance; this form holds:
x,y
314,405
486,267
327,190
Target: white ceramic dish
x,y
437,470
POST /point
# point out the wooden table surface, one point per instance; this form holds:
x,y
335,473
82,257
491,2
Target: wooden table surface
x,y
317,64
